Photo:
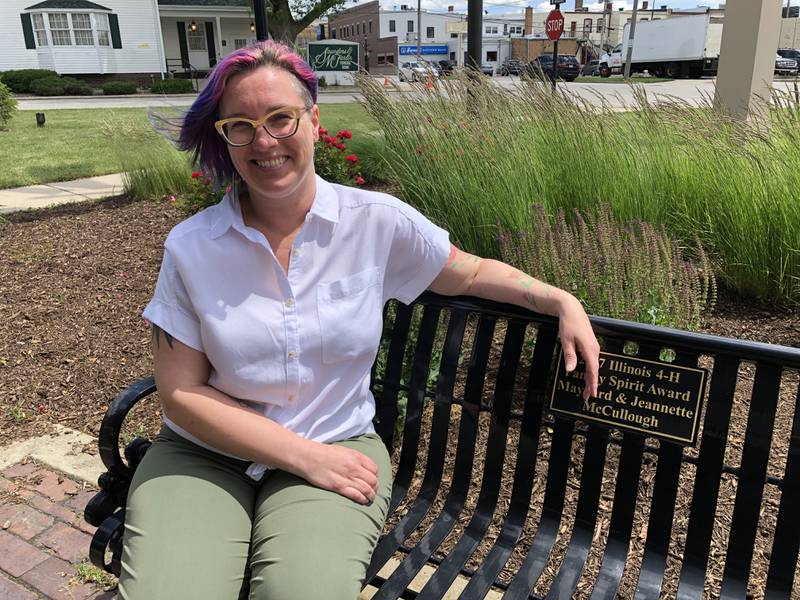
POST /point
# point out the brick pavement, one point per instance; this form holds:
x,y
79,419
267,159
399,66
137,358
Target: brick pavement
x,y
43,537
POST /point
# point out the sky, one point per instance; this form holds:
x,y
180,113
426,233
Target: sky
x,y
502,6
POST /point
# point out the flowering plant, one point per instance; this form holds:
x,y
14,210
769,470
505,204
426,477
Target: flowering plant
x,y
201,194
333,162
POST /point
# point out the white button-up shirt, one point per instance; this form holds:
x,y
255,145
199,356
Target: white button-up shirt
x,y
298,345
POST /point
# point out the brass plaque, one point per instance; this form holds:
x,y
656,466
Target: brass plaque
x,y
657,399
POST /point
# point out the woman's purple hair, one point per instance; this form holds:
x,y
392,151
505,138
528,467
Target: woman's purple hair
x,y
197,133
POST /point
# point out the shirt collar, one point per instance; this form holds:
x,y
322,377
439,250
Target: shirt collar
x,y
229,213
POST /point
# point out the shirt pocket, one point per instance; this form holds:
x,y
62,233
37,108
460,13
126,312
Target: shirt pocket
x,y
350,314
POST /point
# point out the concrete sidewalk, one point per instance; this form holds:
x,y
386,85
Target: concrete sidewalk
x,y
48,194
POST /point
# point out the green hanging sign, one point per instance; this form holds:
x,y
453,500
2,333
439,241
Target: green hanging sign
x,y
333,57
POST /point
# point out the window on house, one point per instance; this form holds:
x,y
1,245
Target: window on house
x,y
391,26
390,59
491,29
197,39
410,26
59,29
491,56
381,59
573,27
454,35
364,27
517,30
82,28
601,24
333,34
239,43
587,26
370,26
39,30
429,32
101,24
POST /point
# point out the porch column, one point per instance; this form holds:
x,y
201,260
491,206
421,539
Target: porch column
x,y
220,50
747,56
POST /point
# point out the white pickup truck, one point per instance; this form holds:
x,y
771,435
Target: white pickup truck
x,y
673,47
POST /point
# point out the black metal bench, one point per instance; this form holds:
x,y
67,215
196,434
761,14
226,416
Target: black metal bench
x,y
498,488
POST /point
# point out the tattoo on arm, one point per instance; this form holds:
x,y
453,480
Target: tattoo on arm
x,y
156,337
527,282
466,258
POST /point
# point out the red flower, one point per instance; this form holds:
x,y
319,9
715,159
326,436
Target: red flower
x,y
329,140
359,180
352,158
339,145
323,131
196,174
344,134
207,180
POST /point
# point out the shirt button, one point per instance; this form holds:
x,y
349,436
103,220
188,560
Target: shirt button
x,y
289,302
292,354
296,252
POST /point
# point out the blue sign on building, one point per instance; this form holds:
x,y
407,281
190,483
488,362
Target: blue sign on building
x,y
429,49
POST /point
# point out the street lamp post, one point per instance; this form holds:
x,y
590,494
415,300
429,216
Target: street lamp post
x,y
260,13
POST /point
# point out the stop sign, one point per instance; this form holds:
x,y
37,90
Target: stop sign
x,y
554,25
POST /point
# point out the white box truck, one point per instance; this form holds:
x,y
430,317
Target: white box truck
x,y
686,46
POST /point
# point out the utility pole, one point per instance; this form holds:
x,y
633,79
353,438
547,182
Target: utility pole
x,y
631,34
260,14
419,29
474,33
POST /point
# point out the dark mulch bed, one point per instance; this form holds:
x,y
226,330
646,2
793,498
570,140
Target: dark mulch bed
x,y
74,281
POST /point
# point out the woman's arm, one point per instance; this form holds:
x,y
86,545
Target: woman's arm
x,y
233,427
465,273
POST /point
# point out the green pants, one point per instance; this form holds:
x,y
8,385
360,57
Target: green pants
x,y
197,527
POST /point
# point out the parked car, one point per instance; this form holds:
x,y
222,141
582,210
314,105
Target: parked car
x,y
416,71
792,53
446,67
568,67
785,66
591,69
487,69
510,66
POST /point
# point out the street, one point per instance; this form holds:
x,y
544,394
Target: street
x,y
616,95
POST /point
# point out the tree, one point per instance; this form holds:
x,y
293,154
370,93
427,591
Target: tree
x,y
287,18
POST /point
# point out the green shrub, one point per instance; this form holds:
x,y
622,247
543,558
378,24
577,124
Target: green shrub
x,y
20,80
635,272
48,86
76,87
8,105
119,88
172,86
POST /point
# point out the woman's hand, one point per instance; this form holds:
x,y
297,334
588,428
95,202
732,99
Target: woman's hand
x,y
341,470
577,336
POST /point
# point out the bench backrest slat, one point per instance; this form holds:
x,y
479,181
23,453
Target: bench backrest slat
x,y
786,545
750,487
707,477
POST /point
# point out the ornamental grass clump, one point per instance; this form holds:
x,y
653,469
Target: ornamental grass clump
x,y
473,156
633,271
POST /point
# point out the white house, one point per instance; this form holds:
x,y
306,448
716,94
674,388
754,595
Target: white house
x,y
121,36
78,36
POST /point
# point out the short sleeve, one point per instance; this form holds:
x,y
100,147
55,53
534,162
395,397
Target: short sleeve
x,y
418,254
171,309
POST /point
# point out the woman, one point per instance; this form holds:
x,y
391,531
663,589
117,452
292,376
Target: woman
x,y
266,320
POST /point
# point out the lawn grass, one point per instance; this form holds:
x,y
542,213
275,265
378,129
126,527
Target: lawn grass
x,y
72,144
88,142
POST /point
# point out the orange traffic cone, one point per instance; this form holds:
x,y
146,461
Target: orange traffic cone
x,y
429,83
385,81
